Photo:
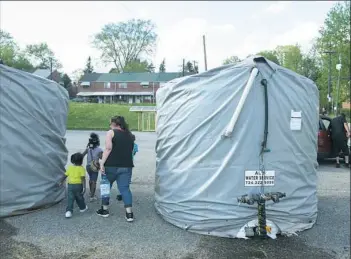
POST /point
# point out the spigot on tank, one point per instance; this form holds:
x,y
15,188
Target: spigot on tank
x,y
251,199
248,199
274,196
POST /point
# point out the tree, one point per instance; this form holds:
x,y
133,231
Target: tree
x,y
310,65
162,67
8,48
22,63
124,42
77,75
289,56
335,36
43,56
136,66
89,67
231,60
11,55
113,70
269,54
189,67
67,82
196,68
151,68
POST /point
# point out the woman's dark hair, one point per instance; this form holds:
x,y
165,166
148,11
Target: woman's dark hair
x,y
94,140
120,121
77,159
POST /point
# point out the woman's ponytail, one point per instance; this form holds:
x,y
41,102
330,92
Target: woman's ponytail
x,y
120,121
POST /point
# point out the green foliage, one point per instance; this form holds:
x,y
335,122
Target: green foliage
x,y
231,60
124,42
94,116
344,110
11,55
67,82
138,66
162,67
89,67
269,54
335,36
190,67
290,56
43,56
113,70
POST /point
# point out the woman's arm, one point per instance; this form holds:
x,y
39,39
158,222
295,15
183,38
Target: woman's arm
x,y
85,152
108,147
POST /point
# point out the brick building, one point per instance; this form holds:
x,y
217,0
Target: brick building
x,y
123,87
46,73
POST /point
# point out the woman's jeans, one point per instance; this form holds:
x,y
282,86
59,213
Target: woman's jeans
x,y
122,176
74,193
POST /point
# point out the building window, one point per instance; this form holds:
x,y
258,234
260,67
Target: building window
x,y
85,84
107,85
145,84
122,85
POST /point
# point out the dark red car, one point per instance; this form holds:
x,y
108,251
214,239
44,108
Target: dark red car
x,y
325,144
324,138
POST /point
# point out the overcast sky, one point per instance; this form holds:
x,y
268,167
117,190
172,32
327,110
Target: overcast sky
x,y
231,28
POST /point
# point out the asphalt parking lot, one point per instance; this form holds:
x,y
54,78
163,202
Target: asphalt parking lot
x,y
47,234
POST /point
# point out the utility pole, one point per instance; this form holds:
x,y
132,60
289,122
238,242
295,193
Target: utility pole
x,y
338,67
195,70
183,66
50,68
330,52
205,55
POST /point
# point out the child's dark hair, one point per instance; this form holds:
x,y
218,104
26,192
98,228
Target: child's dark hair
x,y
77,159
94,140
133,137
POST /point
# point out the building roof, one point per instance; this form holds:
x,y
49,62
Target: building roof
x,y
45,73
139,77
114,93
143,109
90,77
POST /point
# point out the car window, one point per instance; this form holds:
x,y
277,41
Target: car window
x,y
326,123
321,125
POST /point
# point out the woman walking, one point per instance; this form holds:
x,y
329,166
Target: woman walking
x,y
117,163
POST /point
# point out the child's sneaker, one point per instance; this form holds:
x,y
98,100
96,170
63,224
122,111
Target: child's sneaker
x,y
103,213
119,197
84,210
129,216
68,214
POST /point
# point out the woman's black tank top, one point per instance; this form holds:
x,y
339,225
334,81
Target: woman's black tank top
x,y
122,150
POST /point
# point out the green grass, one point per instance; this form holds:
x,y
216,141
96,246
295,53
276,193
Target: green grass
x,y
94,116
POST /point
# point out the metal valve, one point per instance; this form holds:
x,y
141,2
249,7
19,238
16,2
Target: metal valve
x,y
251,199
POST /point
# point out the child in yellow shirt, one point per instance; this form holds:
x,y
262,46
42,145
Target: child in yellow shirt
x,y
76,184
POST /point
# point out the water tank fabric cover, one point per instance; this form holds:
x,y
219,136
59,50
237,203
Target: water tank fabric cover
x,y
33,154
200,174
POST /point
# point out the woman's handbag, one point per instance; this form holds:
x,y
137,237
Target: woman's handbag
x,y
94,164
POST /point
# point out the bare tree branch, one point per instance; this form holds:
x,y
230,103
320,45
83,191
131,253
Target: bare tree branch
x,y
125,42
